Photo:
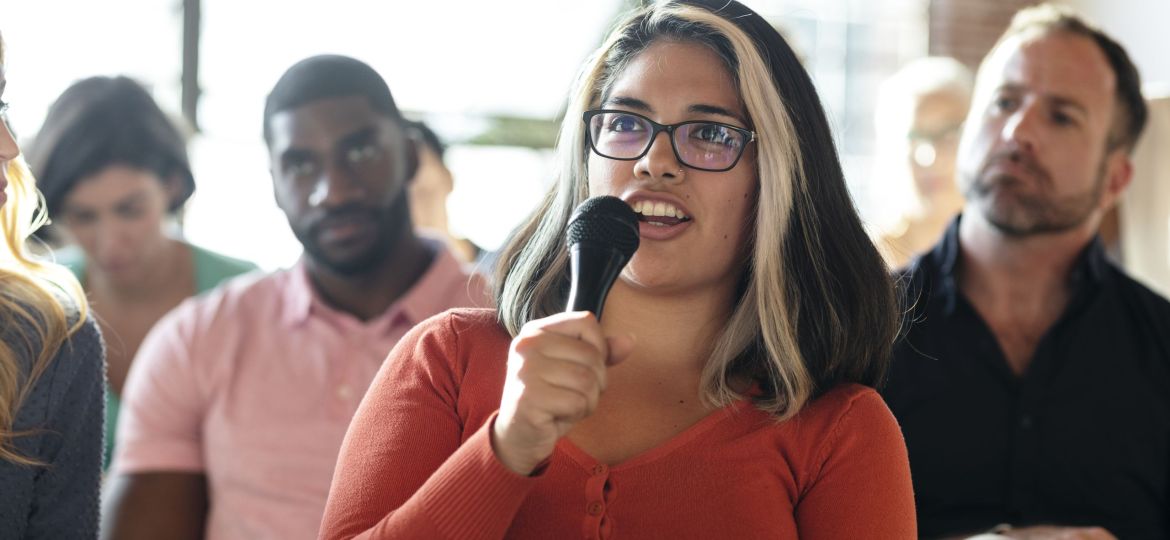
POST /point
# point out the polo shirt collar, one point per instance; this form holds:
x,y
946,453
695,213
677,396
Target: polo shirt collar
x,y
299,295
431,294
428,296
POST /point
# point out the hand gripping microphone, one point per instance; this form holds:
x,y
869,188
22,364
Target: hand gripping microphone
x,y
602,236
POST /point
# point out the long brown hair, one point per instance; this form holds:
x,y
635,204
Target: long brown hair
x,y
816,305
41,304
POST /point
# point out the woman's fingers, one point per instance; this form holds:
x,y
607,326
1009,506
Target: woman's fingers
x,y
582,355
555,404
581,325
556,374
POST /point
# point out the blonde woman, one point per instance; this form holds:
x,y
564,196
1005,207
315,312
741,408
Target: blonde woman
x,y
726,393
51,376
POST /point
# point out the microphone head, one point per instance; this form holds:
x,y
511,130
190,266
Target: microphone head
x,y
604,221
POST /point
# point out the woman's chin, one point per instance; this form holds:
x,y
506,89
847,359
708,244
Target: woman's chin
x,y
122,274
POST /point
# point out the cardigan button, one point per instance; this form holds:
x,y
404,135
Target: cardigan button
x,y
599,470
595,508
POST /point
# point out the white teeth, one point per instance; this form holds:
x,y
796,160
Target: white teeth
x,y
658,208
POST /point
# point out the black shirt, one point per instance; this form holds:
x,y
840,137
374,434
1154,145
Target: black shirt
x,y
1082,438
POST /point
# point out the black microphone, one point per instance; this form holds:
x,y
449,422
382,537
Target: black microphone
x,y
602,236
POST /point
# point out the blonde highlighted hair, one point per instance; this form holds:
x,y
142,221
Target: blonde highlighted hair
x,y
41,304
815,305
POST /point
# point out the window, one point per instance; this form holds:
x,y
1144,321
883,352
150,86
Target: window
x,y
512,61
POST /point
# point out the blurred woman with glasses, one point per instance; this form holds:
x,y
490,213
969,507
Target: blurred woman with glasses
x,y
114,172
51,374
726,393
918,117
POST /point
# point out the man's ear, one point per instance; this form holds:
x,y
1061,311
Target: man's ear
x,y
275,188
1118,175
411,158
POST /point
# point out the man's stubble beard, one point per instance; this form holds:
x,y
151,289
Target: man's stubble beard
x,y
1022,215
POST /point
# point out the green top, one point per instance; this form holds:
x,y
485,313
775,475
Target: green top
x,y
210,269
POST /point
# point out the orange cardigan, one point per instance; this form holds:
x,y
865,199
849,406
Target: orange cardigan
x,y
417,462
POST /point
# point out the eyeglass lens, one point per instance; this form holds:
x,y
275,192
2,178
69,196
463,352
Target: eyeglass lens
x,y
703,145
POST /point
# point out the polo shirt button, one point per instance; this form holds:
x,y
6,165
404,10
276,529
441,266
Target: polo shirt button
x,y
1026,421
595,508
344,392
599,470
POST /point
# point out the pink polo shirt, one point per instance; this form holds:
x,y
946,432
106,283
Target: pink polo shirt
x,y
255,384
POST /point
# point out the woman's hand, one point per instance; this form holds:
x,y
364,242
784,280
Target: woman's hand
x,y
556,373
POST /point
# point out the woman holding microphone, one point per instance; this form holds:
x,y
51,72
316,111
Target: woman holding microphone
x,y
726,393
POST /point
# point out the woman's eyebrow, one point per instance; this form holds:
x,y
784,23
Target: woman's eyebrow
x,y
714,109
701,108
630,102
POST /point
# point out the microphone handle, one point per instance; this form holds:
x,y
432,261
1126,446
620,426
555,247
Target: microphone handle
x,y
593,269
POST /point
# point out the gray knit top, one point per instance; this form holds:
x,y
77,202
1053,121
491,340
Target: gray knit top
x,y
64,411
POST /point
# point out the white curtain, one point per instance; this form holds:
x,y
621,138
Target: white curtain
x,y
1145,207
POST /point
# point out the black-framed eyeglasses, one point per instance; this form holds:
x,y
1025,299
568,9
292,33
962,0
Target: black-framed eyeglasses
x,y
698,144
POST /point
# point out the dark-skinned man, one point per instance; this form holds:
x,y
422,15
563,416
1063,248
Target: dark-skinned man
x,y
238,401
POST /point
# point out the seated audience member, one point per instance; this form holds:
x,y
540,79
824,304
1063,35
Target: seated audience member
x,y
237,402
697,407
429,190
920,111
50,374
1032,385
112,167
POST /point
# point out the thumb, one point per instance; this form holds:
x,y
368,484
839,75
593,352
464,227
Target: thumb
x,y
620,348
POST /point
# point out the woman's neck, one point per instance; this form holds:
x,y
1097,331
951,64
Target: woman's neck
x,y
675,332
170,269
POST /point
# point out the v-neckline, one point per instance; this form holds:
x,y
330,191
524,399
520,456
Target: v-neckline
x,y
588,462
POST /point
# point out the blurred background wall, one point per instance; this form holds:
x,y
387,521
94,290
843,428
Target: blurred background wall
x,y
490,77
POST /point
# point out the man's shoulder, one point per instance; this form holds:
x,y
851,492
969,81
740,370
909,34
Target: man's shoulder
x,y
916,284
447,284
1145,300
922,265
243,297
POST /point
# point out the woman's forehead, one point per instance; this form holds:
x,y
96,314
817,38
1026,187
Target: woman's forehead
x,y
670,74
